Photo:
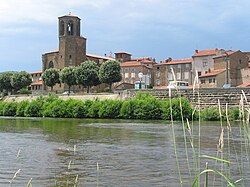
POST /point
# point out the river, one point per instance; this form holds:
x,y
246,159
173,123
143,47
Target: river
x,y
53,152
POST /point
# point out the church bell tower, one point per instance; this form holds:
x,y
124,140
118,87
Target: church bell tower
x,y
72,46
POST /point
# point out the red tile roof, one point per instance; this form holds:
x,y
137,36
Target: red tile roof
x,y
38,83
133,64
181,61
205,53
244,85
36,72
122,52
224,55
99,57
213,73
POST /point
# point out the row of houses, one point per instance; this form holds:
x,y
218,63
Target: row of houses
x,y
215,67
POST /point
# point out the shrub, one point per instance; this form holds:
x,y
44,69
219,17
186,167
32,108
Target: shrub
x,y
234,114
127,109
79,110
1,107
210,114
57,108
166,112
9,109
93,110
24,91
21,108
34,108
110,109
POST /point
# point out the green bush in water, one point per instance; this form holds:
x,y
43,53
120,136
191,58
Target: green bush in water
x,y
34,108
93,110
127,109
21,108
9,109
110,109
1,107
56,108
210,114
147,109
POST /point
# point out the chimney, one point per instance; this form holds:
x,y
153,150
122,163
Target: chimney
x,y
196,51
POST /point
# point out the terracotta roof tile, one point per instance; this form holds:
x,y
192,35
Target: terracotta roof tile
x,y
205,53
224,55
181,61
54,51
133,64
36,72
244,85
213,73
99,56
122,52
38,83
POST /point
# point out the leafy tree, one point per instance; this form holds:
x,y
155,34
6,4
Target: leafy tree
x,y
110,72
5,81
51,77
21,80
87,74
68,76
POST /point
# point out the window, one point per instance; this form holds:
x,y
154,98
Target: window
x,y
199,73
170,76
187,65
126,75
158,74
178,76
62,28
171,67
205,64
179,66
203,81
210,80
240,61
158,67
51,65
158,82
132,75
186,75
70,28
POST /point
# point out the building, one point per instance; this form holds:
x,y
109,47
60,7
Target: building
x,y
230,67
203,60
37,83
131,70
72,50
163,72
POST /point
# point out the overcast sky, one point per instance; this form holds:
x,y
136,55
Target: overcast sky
x,y
145,28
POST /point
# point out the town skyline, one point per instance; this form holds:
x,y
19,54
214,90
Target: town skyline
x,y
144,28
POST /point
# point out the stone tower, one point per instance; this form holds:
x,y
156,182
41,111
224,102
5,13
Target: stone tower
x,y
72,46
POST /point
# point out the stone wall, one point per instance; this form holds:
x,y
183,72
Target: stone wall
x,y
208,96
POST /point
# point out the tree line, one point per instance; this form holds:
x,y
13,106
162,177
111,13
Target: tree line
x,y
88,74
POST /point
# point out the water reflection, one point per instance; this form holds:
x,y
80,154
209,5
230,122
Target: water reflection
x,y
129,153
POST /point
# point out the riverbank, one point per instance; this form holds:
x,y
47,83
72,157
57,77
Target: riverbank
x,y
143,106
83,97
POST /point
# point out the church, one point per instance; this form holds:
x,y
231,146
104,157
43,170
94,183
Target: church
x,y
72,49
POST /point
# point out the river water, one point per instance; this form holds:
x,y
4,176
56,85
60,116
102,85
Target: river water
x,y
110,153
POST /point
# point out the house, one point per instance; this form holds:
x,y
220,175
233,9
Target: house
x,y
230,67
163,72
203,60
37,83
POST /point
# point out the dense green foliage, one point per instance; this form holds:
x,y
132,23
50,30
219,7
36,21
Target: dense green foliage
x,y
110,72
21,80
51,77
68,76
87,74
5,81
143,106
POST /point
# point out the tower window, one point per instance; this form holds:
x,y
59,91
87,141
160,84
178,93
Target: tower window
x,y
51,65
70,28
69,56
62,28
